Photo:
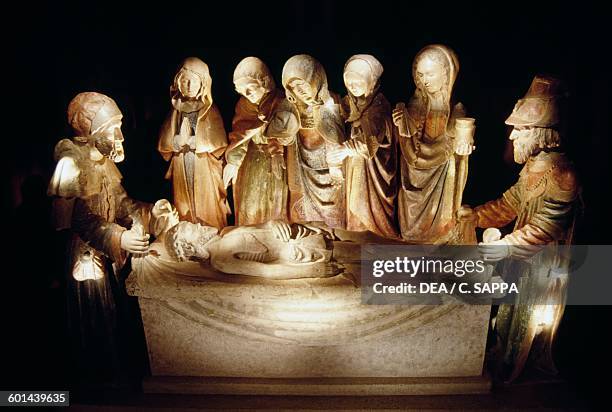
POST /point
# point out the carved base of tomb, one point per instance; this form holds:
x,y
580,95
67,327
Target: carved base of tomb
x,y
212,333
317,386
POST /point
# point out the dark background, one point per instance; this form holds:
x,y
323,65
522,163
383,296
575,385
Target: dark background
x,y
131,52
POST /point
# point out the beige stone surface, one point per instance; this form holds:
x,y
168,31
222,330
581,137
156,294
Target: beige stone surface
x,y
214,325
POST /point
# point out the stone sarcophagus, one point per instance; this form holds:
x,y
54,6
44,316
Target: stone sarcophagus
x,y
209,332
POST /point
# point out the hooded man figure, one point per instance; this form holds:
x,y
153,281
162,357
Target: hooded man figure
x,y
193,139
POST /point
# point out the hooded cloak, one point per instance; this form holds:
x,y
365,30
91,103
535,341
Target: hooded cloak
x,y
428,163
196,169
260,190
371,185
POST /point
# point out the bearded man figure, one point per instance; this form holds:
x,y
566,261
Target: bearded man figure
x,y
543,204
90,201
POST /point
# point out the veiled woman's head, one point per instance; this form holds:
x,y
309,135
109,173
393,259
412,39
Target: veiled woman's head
x,y
301,89
253,80
304,80
434,70
189,84
362,75
192,81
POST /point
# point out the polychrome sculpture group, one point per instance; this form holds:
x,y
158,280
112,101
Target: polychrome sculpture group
x,y
304,154
309,169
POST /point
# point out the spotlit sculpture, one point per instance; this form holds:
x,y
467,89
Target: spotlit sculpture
x,y
91,202
311,123
273,250
543,205
434,149
255,163
193,140
370,150
90,199
248,300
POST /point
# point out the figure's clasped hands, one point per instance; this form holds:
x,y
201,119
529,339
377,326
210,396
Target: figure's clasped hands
x,y
180,141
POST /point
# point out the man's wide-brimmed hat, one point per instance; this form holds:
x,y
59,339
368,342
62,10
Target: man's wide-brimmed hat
x,y
540,106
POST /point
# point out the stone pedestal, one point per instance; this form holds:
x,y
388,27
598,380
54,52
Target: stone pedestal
x,y
212,333
318,386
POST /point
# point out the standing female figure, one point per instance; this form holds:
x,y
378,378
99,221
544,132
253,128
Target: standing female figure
x,y
309,121
431,154
255,163
370,151
193,139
